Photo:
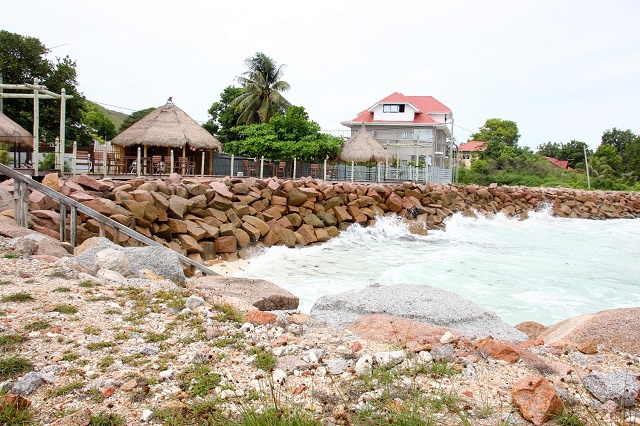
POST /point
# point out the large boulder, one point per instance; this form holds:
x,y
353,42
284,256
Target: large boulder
x,y
162,261
609,328
261,294
419,303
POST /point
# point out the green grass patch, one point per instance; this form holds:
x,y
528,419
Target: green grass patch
x,y
14,366
106,361
229,313
94,331
37,326
12,414
104,419
112,311
66,309
66,389
10,341
62,289
10,255
5,282
200,380
156,337
88,284
70,357
18,297
265,360
99,345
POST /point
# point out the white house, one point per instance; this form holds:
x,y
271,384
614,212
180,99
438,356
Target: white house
x,y
413,128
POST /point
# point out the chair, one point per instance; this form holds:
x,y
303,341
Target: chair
x,y
332,172
248,169
114,161
315,171
281,170
185,166
157,164
83,158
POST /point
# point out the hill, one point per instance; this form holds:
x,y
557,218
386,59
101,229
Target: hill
x,y
116,117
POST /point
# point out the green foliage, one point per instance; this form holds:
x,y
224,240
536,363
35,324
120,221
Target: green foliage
x,y
619,139
201,380
14,366
265,360
10,341
65,309
276,417
13,414
10,255
572,151
98,124
223,116
610,156
104,419
5,158
66,389
498,130
134,117
285,137
17,297
23,59
261,96
37,326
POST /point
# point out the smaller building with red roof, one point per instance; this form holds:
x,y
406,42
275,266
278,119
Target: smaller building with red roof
x,y
469,151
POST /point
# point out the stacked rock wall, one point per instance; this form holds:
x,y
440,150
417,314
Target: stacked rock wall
x,y
206,218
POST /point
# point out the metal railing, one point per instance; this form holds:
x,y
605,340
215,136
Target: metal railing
x,y
23,183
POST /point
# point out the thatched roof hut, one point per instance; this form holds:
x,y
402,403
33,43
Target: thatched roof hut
x,y
12,132
168,126
364,148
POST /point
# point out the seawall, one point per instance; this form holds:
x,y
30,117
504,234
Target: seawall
x,y
208,219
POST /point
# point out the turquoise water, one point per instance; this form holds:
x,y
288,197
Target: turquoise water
x,y
543,269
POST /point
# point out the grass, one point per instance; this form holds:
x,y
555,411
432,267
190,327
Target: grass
x,y
5,282
10,255
88,284
200,380
65,309
10,341
106,361
104,419
70,357
62,289
13,414
37,326
94,331
18,297
13,366
99,345
228,313
66,389
156,337
265,360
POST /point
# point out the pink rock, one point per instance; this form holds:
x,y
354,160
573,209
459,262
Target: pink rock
x,y
536,399
260,317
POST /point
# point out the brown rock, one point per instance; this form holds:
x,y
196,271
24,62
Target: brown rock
x,y
50,180
499,350
129,386
227,244
190,244
536,399
531,328
260,317
261,294
296,197
79,418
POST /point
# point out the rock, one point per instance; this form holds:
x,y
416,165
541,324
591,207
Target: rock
x,y
537,399
296,197
260,317
335,366
420,303
364,365
389,359
609,328
617,386
447,337
194,301
443,353
226,244
147,415
531,328
499,350
113,260
15,401
79,418
27,384
35,243
129,385
261,294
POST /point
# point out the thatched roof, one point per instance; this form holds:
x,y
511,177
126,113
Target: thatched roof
x,y
364,148
12,132
167,126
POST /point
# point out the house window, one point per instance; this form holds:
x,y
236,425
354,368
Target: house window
x,y
466,156
375,133
423,135
405,135
393,108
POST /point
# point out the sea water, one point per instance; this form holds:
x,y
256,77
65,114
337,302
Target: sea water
x,y
543,269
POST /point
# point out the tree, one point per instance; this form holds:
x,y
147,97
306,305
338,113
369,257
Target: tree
x,y
98,124
22,59
134,117
550,149
261,96
610,156
498,130
573,151
631,158
618,138
223,116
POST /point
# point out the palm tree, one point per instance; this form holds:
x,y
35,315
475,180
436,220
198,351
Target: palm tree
x,y
261,94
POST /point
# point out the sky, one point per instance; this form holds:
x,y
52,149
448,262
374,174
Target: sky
x,y
561,70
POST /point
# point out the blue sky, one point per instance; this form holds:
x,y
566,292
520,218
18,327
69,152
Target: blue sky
x,y
561,70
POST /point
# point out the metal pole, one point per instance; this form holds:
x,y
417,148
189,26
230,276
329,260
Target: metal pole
x,y
36,126
171,169
586,166
202,165
261,166
325,170
73,226
63,115
352,171
386,162
74,159
105,166
63,215
378,170
139,162
231,165
294,168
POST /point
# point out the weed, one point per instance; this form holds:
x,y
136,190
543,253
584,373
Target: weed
x,y
70,357
438,369
229,313
201,380
62,289
95,395
88,284
10,255
265,360
66,389
65,309
5,282
94,331
13,366
569,418
14,414
99,345
56,274
18,297
37,326
112,311
104,419
99,299
122,335
10,341
156,337
274,416
106,361
207,412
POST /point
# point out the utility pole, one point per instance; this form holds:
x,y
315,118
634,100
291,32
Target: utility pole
x,y
586,166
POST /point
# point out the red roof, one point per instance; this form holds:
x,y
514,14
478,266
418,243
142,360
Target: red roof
x,y
472,146
563,164
423,104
